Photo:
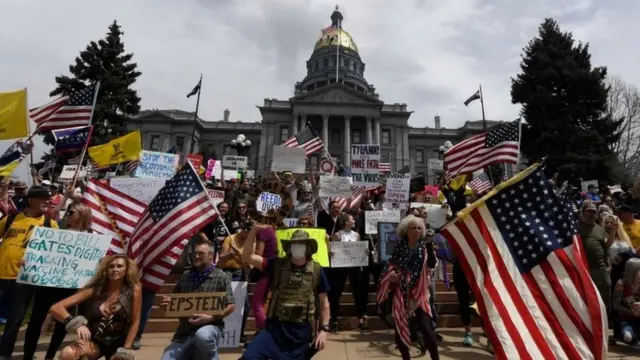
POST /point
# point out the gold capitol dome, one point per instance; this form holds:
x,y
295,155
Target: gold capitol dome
x,y
334,35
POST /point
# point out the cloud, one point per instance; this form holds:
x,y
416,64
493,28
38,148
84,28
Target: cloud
x,y
429,54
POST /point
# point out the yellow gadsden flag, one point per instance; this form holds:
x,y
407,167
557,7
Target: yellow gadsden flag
x,y
124,148
13,115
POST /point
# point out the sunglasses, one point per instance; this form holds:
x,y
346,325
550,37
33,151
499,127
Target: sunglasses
x,y
71,212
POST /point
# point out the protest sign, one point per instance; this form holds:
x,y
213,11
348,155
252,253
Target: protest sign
x,y
68,171
397,190
233,323
318,234
267,201
187,304
62,258
373,217
233,162
217,196
290,222
154,164
195,160
349,253
211,164
437,215
364,165
141,189
250,174
335,186
288,159
584,185
436,165
387,239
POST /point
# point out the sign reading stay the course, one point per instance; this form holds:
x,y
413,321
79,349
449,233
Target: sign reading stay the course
x,y
267,201
364,165
62,258
157,164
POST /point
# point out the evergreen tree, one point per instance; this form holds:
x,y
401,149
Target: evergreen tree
x,y
107,62
564,103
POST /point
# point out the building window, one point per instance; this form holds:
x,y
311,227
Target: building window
x,y
155,143
180,143
284,134
386,137
419,156
325,63
335,137
313,162
356,137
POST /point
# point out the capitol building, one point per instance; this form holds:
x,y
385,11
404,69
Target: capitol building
x,y
343,112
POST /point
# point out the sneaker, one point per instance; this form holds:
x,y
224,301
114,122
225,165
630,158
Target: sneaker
x,y
137,345
468,339
333,325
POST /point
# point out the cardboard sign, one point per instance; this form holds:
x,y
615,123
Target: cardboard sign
x,y
62,258
234,162
364,165
157,165
187,304
195,160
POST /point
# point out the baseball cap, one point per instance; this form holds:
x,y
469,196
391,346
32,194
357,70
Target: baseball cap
x,y
38,192
45,183
20,185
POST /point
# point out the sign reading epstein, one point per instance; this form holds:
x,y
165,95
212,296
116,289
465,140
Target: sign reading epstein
x,y
62,258
364,165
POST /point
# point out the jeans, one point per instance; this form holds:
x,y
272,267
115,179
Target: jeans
x,y
145,310
239,275
203,345
21,296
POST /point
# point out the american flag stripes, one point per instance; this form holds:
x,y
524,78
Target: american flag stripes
x,y
480,184
524,261
180,209
131,166
384,165
66,111
95,167
307,139
500,145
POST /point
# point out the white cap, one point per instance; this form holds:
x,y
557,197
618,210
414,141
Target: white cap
x,y
46,183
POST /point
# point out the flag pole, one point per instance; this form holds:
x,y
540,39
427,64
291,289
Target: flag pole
x,y
86,144
195,117
484,120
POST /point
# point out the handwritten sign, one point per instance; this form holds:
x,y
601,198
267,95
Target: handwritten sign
x,y
288,159
68,171
157,165
141,189
436,214
364,165
397,190
335,186
233,162
195,160
211,164
267,201
388,239
62,258
349,253
187,304
290,222
233,323
217,196
372,218
436,165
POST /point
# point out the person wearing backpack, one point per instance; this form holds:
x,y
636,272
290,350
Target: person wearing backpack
x,y
297,289
16,230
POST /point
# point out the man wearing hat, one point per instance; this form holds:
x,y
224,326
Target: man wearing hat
x,y
297,289
20,195
594,242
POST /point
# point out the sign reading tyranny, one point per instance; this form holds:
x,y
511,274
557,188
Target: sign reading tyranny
x,y
62,258
157,165
364,165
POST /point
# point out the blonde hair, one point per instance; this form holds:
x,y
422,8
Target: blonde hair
x,y
620,235
84,214
403,226
101,278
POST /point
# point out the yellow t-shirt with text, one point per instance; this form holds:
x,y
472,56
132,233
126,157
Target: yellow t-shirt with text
x,y
633,230
14,244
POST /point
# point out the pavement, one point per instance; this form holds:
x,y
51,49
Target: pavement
x,y
351,345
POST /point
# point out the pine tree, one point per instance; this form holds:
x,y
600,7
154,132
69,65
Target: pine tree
x,y
107,62
564,104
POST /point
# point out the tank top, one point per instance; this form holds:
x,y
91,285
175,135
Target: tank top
x,y
109,330
347,236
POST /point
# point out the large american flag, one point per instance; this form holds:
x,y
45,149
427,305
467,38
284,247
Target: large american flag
x,y
66,111
525,264
307,139
481,183
500,145
180,209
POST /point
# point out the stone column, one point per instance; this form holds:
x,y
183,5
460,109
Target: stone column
x,y
347,141
376,125
262,154
294,127
369,130
303,121
325,131
405,146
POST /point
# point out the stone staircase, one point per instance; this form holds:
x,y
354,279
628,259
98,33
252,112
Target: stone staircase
x,y
446,305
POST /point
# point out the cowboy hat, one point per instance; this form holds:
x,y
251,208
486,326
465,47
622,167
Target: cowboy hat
x,y
301,236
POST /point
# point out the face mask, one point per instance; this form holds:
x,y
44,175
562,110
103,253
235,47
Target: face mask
x,y
298,251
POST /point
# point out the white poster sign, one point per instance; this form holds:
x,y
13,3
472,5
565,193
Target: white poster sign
x,y
267,201
335,186
372,218
436,214
68,171
234,162
141,189
398,186
233,323
154,164
290,222
436,164
289,159
364,165
349,253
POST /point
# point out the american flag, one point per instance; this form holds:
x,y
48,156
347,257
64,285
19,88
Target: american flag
x,y
384,165
131,166
306,139
95,167
357,192
112,212
66,111
180,209
525,264
480,184
500,145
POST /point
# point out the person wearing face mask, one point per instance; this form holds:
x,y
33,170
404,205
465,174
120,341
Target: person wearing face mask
x,y
297,290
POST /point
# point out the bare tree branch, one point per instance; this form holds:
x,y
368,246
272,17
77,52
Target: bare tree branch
x,y
624,103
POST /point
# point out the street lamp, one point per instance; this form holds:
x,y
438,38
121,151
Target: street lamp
x,y
443,148
241,144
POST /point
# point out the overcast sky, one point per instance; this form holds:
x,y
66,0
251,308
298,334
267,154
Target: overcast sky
x,y
430,54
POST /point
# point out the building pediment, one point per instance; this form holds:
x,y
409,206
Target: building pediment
x,y
337,94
